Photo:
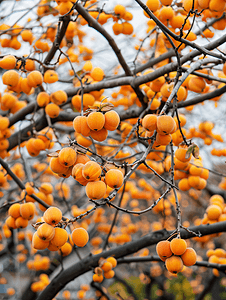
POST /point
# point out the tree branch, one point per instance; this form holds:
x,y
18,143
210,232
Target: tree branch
x,y
91,261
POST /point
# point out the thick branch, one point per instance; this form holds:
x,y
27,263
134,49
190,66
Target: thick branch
x,y
58,39
94,24
201,98
91,261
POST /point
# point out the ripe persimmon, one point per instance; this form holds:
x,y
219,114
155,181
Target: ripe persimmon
x,y
166,124
52,247
127,28
149,122
76,102
114,178
166,13
96,189
98,278
59,97
27,35
50,76
196,84
213,212
189,257
91,171
20,222
190,4
38,144
29,188
25,87
14,210
128,16
60,237
81,126
95,121
8,62
46,232
43,99
88,64
52,215
35,79
183,184
112,260
112,120
11,78
77,173
163,249
174,264
88,100
216,5
67,156
10,222
82,140
80,237
97,74
64,7
162,139
38,243
99,135
117,28
82,158
120,10
153,5
27,210
181,154
178,246
157,83
56,166
109,274
66,249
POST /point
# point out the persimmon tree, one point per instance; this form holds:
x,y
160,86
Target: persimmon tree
x,y
110,128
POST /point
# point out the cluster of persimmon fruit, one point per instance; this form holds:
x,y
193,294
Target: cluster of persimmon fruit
x,y
216,210
120,17
41,142
16,83
20,214
104,270
166,14
5,133
39,263
52,102
96,122
86,172
40,284
216,256
51,235
189,170
70,162
89,175
218,152
44,193
176,254
163,124
81,294
205,133
121,14
16,34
